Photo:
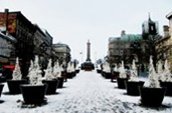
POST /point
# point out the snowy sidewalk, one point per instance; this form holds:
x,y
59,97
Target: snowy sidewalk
x,y
88,92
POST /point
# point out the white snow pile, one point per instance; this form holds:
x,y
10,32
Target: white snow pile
x,y
17,72
152,81
35,73
106,67
122,71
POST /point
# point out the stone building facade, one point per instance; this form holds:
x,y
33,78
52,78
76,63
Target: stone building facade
x,y
62,51
119,48
7,49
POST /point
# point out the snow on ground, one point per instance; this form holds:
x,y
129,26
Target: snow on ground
x,y
88,92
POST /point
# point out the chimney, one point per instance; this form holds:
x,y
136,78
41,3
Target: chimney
x,y
166,30
6,20
123,33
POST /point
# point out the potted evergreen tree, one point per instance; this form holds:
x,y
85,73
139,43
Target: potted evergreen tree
x,y
106,72
1,88
152,94
99,69
34,93
165,78
71,70
50,79
57,71
115,73
122,79
133,84
77,70
16,81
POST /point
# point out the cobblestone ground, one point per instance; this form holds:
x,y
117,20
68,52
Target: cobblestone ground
x,y
88,92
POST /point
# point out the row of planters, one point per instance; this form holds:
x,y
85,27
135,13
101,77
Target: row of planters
x,y
151,91
106,72
35,87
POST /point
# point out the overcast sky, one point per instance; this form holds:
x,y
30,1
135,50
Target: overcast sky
x,y
74,22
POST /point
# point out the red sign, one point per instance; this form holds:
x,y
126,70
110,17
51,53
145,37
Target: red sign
x,y
11,67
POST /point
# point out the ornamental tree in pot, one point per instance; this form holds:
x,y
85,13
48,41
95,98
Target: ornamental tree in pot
x,y
34,93
77,70
57,72
106,72
121,80
165,78
50,79
14,84
115,73
152,94
133,84
1,88
71,70
99,70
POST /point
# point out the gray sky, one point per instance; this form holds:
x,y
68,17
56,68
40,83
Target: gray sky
x,y
75,21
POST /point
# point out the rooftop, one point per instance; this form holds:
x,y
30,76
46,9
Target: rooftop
x,y
169,15
127,37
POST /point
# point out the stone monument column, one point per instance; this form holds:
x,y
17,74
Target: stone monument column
x,y
88,51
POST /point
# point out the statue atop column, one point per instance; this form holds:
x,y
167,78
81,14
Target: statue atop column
x,y
88,51
88,65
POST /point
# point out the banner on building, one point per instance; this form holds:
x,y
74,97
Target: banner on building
x,y
10,24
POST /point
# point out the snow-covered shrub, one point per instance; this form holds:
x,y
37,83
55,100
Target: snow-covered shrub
x,y
49,71
70,67
115,69
167,74
17,72
122,72
106,67
133,72
35,73
152,81
57,70
160,71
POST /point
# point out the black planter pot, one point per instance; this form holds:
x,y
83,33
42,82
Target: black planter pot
x,y
71,75
1,88
168,86
77,71
107,75
14,86
103,73
121,82
99,71
133,87
51,86
60,82
152,97
115,75
33,94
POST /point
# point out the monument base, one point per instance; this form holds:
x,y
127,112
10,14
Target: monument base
x,y
87,66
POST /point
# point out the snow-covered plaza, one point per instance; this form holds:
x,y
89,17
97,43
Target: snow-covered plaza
x,y
88,92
